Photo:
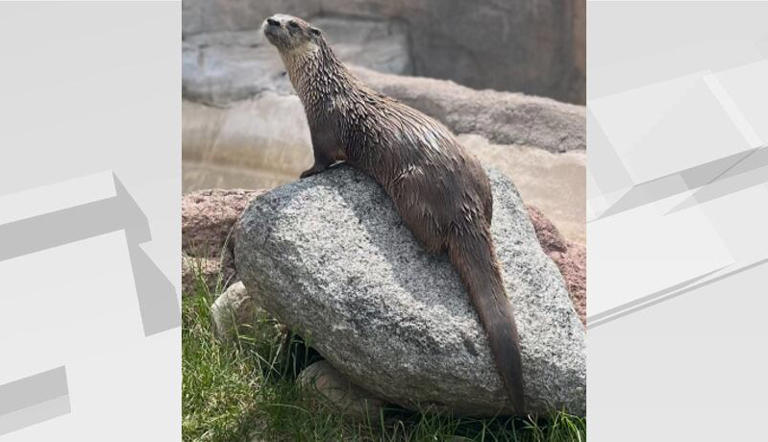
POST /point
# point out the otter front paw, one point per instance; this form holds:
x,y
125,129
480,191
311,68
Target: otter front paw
x,y
309,172
317,168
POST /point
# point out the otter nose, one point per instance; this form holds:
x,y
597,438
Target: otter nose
x,y
273,22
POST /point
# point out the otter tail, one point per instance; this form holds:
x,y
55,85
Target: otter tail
x,y
472,253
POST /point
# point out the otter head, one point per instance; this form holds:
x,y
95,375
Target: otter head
x,y
291,34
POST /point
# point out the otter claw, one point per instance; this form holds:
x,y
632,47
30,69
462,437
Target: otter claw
x,y
309,173
315,169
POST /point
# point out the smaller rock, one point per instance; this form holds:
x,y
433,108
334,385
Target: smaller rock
x,y
573,267
207,217
208,270
570,257
326,383
233,312
549,237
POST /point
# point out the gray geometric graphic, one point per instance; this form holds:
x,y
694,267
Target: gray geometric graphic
x,y
33,399
676,133
105,206
614,176
750,170
677,230
645,301
667,294
688,179
51,216
89,261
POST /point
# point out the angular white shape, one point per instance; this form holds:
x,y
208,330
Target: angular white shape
x,y
641,251
747,86
54,197
666,127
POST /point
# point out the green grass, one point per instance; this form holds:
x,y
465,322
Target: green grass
x,y
245,390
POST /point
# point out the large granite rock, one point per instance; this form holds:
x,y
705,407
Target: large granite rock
x,y
330,258
536,47
209,215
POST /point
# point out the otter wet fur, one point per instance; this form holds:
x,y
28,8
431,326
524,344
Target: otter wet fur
x,y
440,191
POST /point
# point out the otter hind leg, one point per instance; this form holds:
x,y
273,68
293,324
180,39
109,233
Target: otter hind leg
x,y
423,220
427,233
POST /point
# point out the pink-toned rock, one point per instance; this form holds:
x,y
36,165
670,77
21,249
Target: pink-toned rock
x,y
570,257
573,266
549,237
208,271
207,218
209,215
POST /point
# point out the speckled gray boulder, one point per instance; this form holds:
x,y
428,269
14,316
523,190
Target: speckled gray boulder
x,y
331,258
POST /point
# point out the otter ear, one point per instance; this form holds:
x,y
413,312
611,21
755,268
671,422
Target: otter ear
x,y
314,31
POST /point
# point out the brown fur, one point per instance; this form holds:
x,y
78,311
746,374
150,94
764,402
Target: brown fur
x,y
440,191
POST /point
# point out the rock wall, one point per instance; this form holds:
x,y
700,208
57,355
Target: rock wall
x,y
535,47
219,68
264,142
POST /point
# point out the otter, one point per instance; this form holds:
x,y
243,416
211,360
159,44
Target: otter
x,y
439,190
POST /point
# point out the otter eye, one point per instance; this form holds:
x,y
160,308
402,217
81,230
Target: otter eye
x,y
314,31
293,24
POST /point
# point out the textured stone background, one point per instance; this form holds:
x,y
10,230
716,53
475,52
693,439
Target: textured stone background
x,y
535,47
